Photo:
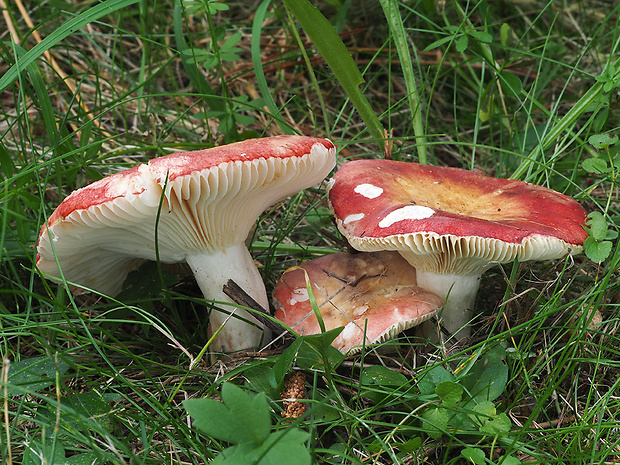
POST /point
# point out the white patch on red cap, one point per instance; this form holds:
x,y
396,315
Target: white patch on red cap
x,y
299,295
369,191
408,212
353,217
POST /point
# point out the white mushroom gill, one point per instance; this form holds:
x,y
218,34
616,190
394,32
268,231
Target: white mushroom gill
x,y
368,190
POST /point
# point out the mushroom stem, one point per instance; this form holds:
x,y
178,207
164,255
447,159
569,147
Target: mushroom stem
x,y
460,294
212,271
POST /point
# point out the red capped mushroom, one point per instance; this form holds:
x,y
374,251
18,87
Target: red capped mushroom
x,y
374,296
451,224
200,206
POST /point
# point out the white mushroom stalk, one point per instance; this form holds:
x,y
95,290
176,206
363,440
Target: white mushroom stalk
x,y
460,295
200,206
212,271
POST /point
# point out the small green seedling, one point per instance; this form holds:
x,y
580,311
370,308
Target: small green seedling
x,y
245,421
597,245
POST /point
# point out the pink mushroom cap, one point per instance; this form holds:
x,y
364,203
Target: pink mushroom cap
x,y
451,219
370,294
451,224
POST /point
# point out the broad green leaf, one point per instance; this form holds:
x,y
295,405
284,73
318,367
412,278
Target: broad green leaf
x,y
485,408
284,363
461,43
411,445
378,375
503,33
510,82
496,425
474,455
283,447
316,347
595,165
482,36
435,421
601,141
449,392
377,382
596,225
595,250
33,374
509,460
261,378
487,378
434,377
240,418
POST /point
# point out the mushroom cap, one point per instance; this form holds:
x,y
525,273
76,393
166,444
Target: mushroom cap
x,y
371,292
207,200
450,220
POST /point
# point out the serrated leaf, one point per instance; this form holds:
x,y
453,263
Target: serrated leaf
x,y
473,455
486,408
596,225
240,418
595,165
600,141
279,448
449,392
430,380
595,250
435,421
509,460
496,425
411,445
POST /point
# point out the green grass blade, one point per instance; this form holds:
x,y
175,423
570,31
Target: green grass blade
x,y
399,36
72,25
197,79
336,55
567,122
259,73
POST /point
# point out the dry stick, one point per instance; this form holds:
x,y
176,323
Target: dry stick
x,y
240,297
69,82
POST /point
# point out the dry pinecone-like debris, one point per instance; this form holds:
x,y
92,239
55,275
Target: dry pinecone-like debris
x,y
294,389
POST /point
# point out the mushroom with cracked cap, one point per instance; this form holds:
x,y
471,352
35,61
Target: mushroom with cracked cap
x,y
373,295
200,206
451,224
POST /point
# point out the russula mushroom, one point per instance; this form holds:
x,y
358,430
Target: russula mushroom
x,y
196,207
370,294
451,224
